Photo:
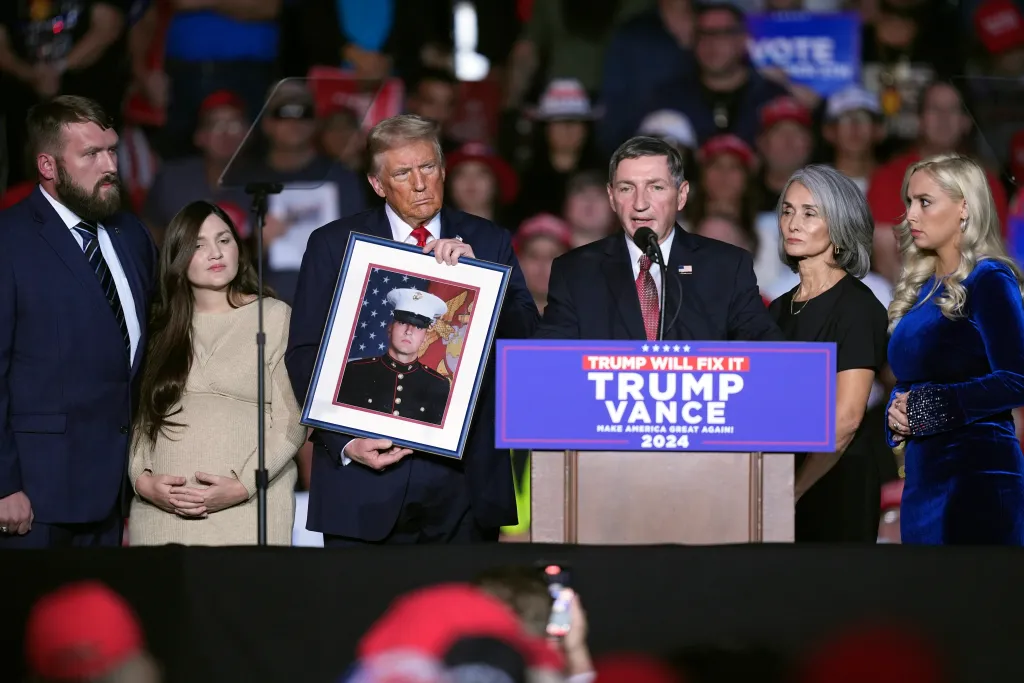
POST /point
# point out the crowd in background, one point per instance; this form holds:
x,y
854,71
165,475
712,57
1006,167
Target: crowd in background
x,y
565,83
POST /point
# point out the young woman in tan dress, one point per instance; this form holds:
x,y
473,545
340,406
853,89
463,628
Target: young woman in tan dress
x,y
194,459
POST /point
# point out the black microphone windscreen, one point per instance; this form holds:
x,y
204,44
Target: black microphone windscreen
x,y
644,238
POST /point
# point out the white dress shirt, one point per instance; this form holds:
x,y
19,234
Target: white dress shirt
x,y
635,254
124,290
402,232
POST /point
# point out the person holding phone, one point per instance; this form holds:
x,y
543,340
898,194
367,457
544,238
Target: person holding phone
x,y
529,593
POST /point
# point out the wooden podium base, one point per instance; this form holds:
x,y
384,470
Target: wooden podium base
x,y
646,497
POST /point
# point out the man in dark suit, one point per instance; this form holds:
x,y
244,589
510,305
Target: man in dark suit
x,y
368,490
75,283
609,289
396,382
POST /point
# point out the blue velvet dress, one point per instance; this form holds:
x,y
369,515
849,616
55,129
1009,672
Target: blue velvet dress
x,y
964,466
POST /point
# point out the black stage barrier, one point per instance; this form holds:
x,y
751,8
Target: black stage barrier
x,y
295,614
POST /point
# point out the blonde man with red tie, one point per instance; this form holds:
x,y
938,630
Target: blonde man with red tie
x,y
368,491
610,289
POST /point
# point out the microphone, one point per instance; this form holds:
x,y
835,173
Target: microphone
x,y
647,240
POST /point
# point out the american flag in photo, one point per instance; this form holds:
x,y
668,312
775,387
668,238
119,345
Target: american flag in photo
x,y
371,337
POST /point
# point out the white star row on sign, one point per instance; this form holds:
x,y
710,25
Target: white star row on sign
x,y
665,348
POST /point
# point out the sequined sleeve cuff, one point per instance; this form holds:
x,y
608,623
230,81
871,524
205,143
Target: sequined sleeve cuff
x,y
933,409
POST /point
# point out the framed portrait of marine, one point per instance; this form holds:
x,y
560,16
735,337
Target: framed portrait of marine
x,y
405,346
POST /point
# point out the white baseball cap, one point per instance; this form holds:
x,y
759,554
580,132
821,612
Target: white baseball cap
x,y
852,98
670,125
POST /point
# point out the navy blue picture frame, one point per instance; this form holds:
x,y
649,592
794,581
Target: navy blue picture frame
x,y
354,240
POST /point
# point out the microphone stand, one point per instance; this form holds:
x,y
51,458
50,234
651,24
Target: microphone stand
x,y
260,192
654,253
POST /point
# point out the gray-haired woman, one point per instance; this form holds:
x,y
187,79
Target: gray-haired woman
x,y
826,232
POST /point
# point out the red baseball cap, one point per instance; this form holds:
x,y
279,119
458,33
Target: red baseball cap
x,y
880,654
82,630
1000,26
543,225
431,620
784,108
504,175
631,667
222,98
727,144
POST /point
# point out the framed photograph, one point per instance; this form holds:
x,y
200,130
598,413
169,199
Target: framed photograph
x,y
406,346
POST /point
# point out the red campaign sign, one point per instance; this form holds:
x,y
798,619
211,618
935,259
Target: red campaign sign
x,y
371,101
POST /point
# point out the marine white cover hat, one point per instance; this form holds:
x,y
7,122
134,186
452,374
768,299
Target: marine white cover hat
x,y
415,307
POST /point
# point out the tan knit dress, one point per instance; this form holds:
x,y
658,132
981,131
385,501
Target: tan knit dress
x,y
219,411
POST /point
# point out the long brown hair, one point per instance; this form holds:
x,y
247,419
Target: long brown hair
x,y
168,358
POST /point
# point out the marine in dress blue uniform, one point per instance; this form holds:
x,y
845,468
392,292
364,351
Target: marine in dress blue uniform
x,y
392,382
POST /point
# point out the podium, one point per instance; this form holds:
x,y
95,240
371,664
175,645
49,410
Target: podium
x,y
685,443
623,497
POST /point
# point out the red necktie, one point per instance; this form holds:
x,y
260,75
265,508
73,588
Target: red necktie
x,y
422,235
648,294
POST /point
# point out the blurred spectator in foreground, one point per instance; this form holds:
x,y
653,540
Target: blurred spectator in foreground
x,y
879,654
53,48
725,93
222,127
945,125
633,668
563,145
217,45
539,241
652,48
587,209
85,632
853,127
458,624
524,590
480,182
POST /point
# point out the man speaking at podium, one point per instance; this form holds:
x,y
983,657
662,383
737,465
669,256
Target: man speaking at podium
x,y
367,490
610,289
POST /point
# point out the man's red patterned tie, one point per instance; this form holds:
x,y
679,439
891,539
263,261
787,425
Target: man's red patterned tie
x,y
648,295
422,235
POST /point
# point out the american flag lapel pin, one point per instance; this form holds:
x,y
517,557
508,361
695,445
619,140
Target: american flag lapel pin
x,y
686,270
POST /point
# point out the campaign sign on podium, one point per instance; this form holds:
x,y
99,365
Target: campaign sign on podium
x,y
674,396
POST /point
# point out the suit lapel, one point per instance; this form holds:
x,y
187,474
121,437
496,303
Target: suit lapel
x,y
681,300
618,274
53,230
379,226
130,267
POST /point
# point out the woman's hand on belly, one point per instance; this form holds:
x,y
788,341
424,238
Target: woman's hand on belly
x,y
220,494
160,490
